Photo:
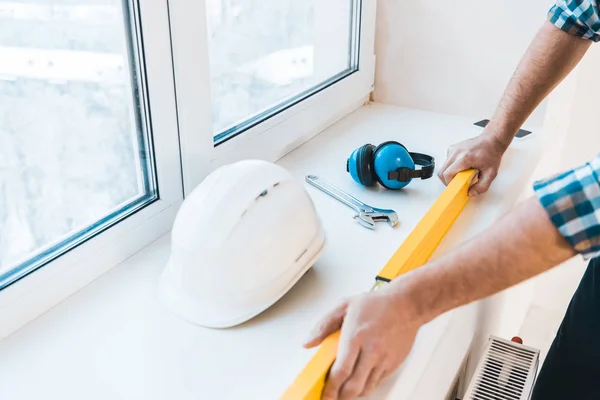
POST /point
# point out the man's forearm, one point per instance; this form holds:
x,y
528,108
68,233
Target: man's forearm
x,y
519,246
549,59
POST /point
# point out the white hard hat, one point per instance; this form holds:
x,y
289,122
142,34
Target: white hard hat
x,y
240,241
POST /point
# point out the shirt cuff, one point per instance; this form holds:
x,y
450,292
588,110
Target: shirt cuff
x,y
572,201
577,17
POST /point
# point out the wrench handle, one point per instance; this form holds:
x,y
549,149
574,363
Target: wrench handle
x,y
338,194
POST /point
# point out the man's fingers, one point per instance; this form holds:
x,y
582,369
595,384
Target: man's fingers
x,y
342,369
374,380
449,161
355,385
331,323
450,172
483,183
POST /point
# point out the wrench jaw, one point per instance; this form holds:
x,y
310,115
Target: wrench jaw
x,y
389,216
365,220
391,219
369,219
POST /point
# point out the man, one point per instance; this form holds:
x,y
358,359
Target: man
x,y
562,220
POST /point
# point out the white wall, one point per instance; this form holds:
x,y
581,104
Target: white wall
x,y
452,57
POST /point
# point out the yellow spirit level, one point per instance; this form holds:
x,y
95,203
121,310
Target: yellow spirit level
x,y
414,252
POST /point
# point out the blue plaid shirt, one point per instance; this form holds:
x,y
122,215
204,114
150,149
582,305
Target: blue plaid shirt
x,y
577,17
572,199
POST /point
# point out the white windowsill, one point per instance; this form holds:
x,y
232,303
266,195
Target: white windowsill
x,y
113,340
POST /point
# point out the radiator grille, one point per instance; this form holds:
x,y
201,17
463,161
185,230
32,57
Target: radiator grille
x,y
506,371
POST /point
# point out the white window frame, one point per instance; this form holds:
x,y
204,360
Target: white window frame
x,y
178,84
278,135
42,289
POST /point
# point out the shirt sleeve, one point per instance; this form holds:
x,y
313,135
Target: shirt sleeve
x,y
572,201
577,17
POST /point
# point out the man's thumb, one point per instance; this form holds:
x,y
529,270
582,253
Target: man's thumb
x,y
327,326
483,184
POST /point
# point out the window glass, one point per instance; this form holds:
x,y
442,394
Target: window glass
x,y
74,141
268,54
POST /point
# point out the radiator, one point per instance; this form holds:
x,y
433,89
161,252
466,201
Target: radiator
x,y
506,371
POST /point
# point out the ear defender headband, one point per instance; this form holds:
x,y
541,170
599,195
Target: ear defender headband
x,y
390,164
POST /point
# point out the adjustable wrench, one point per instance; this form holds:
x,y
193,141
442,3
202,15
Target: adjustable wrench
x,y
366,215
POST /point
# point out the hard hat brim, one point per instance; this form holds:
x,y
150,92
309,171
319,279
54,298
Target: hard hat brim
x,y
182,303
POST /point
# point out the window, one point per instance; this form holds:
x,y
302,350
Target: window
x,y
111,111
268,54
74,139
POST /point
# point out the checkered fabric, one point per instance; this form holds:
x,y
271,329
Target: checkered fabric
x,y
577,17
572,200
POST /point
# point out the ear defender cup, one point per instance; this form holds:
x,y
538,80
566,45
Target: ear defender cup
x,y
360,165
392,156
390,164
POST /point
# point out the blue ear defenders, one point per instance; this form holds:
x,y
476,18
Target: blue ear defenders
x,y
390,164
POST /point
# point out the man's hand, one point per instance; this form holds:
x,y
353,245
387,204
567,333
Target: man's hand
x,y
548,60
378,329
483,153
377,333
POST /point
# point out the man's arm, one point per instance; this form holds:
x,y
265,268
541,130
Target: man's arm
x,y
378,329
548,60
521,245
